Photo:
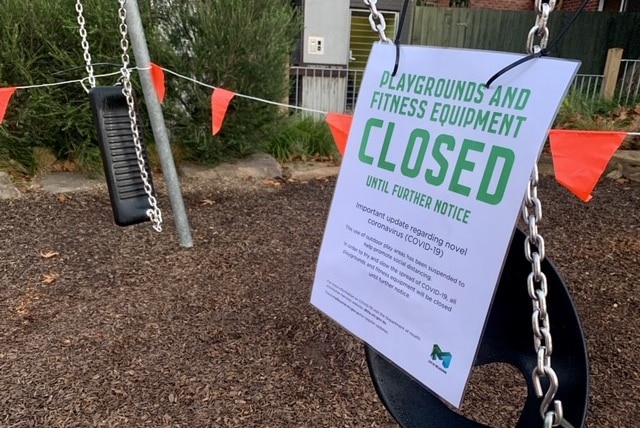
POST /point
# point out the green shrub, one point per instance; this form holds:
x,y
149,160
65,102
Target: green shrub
x,y
578,111
585,113
41,45
302,135
241,46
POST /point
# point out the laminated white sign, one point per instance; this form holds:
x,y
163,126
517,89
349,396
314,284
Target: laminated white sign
x,y
429,191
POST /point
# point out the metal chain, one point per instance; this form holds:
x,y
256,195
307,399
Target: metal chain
x,y
537,287
154,213
535,253
85,43
540,30
376,19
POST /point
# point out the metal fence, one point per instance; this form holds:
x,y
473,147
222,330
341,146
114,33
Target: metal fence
x,y
323,89
629,84
336,89
589,85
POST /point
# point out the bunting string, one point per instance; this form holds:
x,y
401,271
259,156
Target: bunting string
x,y
244,96
66,82
192,80
81,81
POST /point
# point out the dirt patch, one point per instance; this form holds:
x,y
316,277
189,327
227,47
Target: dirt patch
x,y
109,327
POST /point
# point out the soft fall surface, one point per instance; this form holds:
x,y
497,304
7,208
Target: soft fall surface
x,y
108,327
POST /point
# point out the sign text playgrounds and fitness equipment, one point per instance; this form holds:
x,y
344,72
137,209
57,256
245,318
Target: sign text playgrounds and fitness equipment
x,y
429,191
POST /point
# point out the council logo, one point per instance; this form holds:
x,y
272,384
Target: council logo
x,y
438,354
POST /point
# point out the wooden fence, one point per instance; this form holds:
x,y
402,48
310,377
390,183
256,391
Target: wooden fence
x,y
588,40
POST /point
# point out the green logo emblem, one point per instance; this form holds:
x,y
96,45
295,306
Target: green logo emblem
x,y
445,357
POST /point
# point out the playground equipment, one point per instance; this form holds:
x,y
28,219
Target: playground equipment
x,y
503,341
122,149
557,398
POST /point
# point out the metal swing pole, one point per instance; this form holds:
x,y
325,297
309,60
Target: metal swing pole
x,y
143,61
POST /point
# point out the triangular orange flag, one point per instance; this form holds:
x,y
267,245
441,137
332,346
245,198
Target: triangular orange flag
x,y
580,157
339,124
220,100
5,96
157,75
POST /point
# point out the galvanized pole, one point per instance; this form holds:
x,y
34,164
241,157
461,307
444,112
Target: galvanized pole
x,y
141,53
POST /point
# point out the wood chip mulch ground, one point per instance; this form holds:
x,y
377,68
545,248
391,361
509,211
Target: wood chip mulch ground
x,y
108,327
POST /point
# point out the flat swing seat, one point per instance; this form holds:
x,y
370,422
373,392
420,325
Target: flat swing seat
x,y
508,338
129,200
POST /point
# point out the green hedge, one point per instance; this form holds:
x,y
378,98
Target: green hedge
x,y
241,46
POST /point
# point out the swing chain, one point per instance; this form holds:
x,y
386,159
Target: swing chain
x,y
540,29
535,253
85,44
154,213
376,20
537,287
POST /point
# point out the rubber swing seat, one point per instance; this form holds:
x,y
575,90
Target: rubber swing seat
x,y
129,200
507,338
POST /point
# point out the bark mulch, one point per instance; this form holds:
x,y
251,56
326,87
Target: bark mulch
x,y
108,327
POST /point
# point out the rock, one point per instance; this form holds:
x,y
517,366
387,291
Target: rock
x,y
7,188
260,166
305,171
545,165
615,173
629,161
67,182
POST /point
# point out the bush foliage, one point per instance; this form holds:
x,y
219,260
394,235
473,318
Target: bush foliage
x,y
241,46
40,45
301,135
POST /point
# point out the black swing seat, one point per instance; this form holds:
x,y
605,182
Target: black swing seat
x,y
129,201
508,338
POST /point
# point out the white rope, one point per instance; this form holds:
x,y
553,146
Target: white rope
x,y
244,96
635,134
81,81
66,82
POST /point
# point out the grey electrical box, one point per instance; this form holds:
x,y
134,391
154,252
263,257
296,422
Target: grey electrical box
x,y
327,24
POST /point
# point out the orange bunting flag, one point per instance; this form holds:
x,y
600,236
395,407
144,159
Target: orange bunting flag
x,y
340,125
5,96
220,100
157,75
580,157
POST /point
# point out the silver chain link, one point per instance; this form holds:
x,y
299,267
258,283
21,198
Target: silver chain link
x,y
154,213
540,32
537,287
534,252
85,43
376,20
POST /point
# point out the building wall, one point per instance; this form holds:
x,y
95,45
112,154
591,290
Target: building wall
x,y
592,6
491,4
502,4
518,4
